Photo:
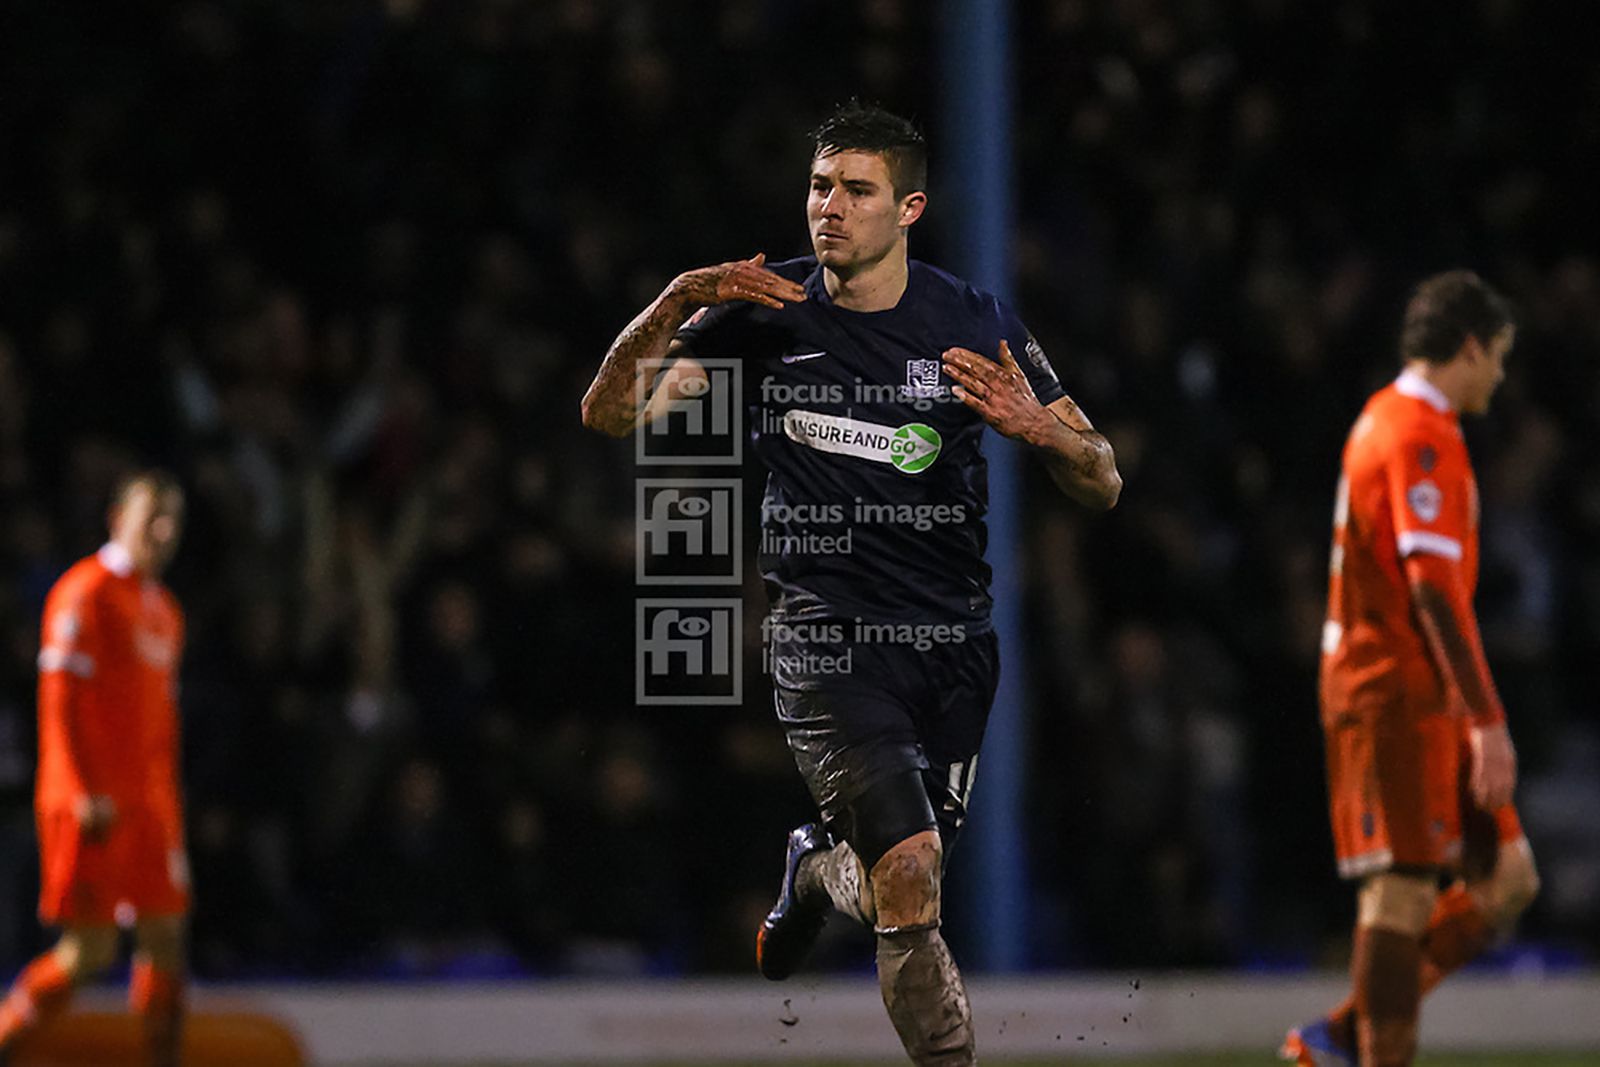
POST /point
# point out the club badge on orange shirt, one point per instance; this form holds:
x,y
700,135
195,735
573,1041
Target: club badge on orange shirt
x,y
1425,500
155,649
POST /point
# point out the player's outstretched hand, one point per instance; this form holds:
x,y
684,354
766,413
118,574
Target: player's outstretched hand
x,y
998,391
743,279
1494,766
95,815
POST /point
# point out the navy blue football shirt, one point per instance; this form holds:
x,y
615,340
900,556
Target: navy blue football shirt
x,y
876,488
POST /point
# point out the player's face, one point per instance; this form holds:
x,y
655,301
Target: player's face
x,y
1489,369
852,212
149,524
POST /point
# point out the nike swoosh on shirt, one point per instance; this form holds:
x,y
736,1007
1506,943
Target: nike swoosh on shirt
x,y
801,357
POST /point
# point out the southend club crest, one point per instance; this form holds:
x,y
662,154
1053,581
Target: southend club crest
x,y
922,379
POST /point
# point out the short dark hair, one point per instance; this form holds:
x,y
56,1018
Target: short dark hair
x,y
858,127
156,479
1445,310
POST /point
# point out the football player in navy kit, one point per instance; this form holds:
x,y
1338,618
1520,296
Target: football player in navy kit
x,y
869,378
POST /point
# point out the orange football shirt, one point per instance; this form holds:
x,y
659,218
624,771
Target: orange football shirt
x,y
1406,487
109,650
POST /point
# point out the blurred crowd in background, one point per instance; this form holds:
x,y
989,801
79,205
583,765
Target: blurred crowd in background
x,y
347,267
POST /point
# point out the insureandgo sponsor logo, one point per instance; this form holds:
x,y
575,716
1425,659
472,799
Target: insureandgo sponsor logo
x,y
911,448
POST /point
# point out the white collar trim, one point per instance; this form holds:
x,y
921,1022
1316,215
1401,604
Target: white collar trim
x,y
1412,384
115,558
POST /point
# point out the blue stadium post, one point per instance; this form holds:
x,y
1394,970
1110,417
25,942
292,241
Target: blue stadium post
x,y
990,884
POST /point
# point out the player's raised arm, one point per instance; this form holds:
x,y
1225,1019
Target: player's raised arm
x,y
1079,457
619,398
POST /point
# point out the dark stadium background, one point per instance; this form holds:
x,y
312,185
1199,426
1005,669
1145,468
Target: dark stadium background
x,y
347,267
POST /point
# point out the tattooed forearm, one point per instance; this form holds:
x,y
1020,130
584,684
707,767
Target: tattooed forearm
x,y
616,397
1080,461
1453,649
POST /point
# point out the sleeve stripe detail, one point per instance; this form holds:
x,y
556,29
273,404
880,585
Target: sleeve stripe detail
x,y
1413,541
1366,863
58,659
1332,634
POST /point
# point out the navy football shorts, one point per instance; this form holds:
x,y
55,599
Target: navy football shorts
x,y
861,704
